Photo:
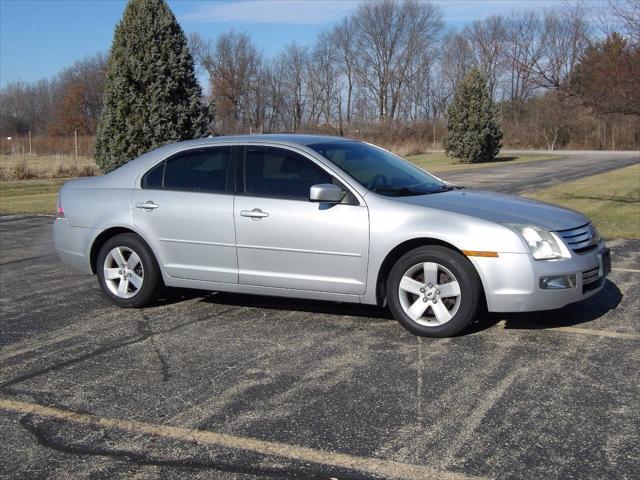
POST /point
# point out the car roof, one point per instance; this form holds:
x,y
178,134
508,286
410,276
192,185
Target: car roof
x,y
125,174
293,139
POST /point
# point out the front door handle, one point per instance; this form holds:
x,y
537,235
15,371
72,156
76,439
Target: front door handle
x,y
255,214
148,205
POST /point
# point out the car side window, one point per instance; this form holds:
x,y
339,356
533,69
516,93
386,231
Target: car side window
x,y
276,172
200,170
153,178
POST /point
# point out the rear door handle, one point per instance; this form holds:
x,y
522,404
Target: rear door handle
x,y
256,213
148,205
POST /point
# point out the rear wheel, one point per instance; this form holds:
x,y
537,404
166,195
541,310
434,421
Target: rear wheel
x,y
128,271
434,291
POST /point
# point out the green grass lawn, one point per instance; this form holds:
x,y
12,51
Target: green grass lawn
x,y
611,200
30,196
439,162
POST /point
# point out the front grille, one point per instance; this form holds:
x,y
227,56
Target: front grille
x,y
591,279
581,239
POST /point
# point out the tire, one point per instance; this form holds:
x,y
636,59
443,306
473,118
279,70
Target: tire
x,y
141,273
445,313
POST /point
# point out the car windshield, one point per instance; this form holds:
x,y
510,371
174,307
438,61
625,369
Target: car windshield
x,y
378,170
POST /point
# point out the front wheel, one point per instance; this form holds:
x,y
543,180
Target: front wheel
x,y
128,271
434,291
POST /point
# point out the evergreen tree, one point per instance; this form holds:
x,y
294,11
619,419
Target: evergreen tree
x,y
474,133
151,93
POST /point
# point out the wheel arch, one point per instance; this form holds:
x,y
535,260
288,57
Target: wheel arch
x,y
398,251
105,235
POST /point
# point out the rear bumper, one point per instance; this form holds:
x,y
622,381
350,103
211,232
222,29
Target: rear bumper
x,y
72,244
512,281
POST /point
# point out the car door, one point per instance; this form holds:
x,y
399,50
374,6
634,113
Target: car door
x,y
286,241
185,206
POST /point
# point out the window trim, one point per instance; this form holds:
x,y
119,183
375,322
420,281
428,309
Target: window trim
x,y
231,171
241,185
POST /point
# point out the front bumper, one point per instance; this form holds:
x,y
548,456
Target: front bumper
x,y
512,281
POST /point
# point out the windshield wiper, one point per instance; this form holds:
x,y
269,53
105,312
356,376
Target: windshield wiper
x,y
402,190
413,190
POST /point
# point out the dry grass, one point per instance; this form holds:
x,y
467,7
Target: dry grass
x,y
47,145
611,200
25,167
438,162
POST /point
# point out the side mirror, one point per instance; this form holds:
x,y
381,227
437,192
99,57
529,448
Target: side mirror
x,y
326,192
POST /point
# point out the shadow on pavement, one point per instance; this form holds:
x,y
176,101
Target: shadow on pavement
x,y
300,305
575,314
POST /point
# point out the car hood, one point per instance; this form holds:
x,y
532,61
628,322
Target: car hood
x,y
500,208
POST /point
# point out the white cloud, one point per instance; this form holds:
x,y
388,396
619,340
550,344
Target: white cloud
x,y
463,11
298,12
319,12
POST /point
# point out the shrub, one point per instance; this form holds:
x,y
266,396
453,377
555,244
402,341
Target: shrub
x,y
474,133
21,171
88,171
151,95
65,171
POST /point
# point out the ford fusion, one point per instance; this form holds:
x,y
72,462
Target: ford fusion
x,y
323,218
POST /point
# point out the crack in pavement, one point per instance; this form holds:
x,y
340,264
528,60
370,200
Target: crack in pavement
x,y
123,342
53,441
349,466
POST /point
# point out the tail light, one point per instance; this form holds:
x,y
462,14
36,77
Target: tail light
x,y
59,209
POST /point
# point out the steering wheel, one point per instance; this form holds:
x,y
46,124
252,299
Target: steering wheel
x,y
378,180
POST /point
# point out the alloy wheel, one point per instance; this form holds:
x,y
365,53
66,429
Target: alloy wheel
x,y
429,294
123,272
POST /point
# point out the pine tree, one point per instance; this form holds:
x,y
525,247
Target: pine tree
x,y
151,93
474,133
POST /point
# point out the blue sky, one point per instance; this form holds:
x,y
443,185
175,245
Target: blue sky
x,y
40,37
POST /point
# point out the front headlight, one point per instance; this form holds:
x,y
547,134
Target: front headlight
x,y
542,243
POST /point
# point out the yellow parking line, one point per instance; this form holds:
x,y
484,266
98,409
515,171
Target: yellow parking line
x,y
599,333
376,466
579,331
634,270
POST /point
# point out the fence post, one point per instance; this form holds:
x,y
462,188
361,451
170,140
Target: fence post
x,y
75,137
434,131
29,142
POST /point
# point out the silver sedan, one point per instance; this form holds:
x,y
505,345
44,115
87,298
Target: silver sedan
x,y
323,218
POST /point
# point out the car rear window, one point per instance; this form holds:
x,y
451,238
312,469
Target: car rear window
x,y
153,178
201,170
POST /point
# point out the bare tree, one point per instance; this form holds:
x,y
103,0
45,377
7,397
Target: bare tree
x,y
344,42
389,37
202,51
565,36
324,82
84,79
487,40
294,64
456,60
523,51
627,15
235,65
617,16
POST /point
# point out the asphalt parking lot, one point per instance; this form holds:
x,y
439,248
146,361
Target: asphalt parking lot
x,y
298,389
521,177
214,385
